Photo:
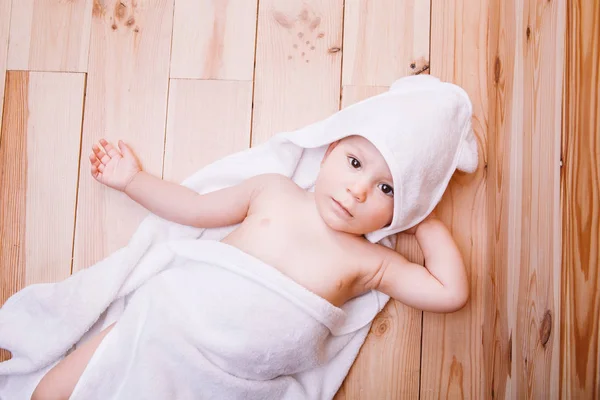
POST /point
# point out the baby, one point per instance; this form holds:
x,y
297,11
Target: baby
x,y
314,238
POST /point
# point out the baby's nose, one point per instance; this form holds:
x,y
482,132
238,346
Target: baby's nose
x,y
358,190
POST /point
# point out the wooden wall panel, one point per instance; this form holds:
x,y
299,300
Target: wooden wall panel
x,y
214,39
50,35
126,98
207,120
580,195
298,64
384,40
452,363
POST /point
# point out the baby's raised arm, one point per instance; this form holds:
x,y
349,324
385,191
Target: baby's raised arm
x,y
440,286
168,200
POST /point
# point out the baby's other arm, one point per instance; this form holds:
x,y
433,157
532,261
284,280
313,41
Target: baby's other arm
x,y
441,286
171,201
182,205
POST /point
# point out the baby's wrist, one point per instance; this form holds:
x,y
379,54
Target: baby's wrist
x,y
128,184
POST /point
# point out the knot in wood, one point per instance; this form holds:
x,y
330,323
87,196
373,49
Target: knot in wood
x,y
381,326
546,328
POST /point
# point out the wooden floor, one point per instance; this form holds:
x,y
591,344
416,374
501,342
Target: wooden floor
x,y
189,81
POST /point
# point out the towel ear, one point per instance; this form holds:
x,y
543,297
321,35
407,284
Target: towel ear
x,y
468,158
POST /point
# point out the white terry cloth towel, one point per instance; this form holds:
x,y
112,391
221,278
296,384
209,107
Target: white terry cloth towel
x,y
199,319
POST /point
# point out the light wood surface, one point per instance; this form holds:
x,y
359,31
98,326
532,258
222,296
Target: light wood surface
x,y
298,65
39,159
50,35
186,82
384,40
214,39
207,120
126,98
580,195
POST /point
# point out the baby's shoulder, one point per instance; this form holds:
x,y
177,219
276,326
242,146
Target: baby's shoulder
x,y
276,182
270,189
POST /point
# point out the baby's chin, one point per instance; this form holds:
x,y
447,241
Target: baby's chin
x,y
344,227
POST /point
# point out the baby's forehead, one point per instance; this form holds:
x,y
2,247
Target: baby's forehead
x,y
362,144
367,149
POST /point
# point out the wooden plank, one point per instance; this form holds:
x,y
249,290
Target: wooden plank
x,y
50,35
13,184
452,362
214,39
298,64
537,352
388,364
522,312
42,120
207,120
384,40
126,98
580,193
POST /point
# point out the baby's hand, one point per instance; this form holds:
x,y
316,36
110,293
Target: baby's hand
x,y
112,168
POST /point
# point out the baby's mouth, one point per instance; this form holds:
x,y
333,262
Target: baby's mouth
x,y
342,207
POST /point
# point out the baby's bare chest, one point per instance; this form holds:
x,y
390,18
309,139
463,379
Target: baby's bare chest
x,y
321,262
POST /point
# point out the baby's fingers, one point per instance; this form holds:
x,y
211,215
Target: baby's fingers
x,y
104,159
96,165
110,150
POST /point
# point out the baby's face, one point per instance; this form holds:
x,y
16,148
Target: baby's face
x,y
354,191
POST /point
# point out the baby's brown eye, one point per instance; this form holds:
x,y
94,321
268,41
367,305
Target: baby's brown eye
x,y
387,189
354,162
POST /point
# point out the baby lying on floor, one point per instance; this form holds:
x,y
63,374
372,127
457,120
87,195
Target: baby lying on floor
x,y
314,238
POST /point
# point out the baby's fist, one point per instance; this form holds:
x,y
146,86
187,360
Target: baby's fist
x,y
113,168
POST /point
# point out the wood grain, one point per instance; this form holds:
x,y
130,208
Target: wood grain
x,y
522,313
207,120
126,98
452,362
214,39
298,65
387,366
5,6
13,184
50,35
39,156
384,40
500,337
580,195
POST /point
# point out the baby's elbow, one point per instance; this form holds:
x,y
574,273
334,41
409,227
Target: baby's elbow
x,y
458,300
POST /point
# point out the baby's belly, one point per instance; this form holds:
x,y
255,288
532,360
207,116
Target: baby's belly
x,y
307,261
